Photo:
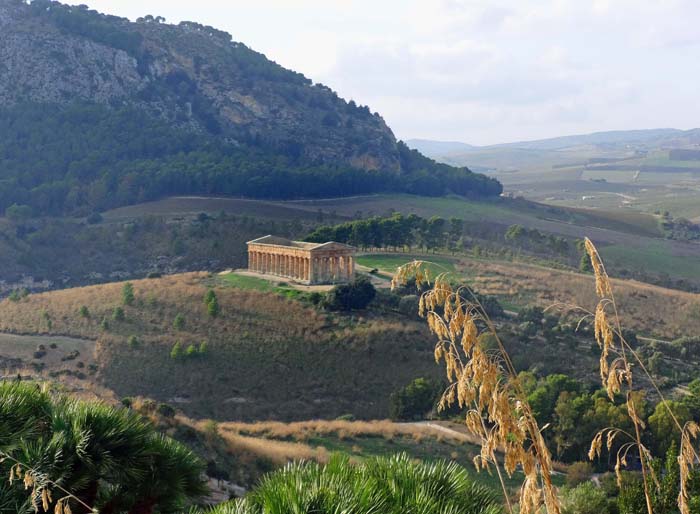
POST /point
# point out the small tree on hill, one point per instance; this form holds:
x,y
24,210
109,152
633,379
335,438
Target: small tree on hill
x,y
128,294
176,352
118,314
213,307
356,295
415,400
179,322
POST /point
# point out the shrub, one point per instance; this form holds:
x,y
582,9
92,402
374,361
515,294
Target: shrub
x,y
578,473
213,307
84,312
128,294
154,274
118,314
340,486
356,295
18,294
176,352
586,498
191,351
104,325
415,400
133,342
165,410
408,305
99,453
203,348
179,322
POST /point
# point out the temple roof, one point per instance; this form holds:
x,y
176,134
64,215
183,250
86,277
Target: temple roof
x,y
283,241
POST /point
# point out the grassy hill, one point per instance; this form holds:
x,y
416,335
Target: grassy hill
x,y
267,357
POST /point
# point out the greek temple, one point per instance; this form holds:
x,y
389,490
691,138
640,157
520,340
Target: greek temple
x,y
308,263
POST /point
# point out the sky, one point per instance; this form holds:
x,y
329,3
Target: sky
x,y
476,71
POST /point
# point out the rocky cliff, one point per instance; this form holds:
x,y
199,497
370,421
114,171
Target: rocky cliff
x,y
193,76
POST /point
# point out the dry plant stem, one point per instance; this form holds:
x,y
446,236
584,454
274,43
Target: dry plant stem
x,y
506,496
34,472
605,336
491,384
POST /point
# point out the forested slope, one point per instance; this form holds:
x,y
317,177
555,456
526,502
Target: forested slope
x,y
98,111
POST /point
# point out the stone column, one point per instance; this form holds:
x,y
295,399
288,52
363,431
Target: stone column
x,y
307,267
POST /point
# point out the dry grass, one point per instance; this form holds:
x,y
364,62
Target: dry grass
x,y
268,357
648,309
304,430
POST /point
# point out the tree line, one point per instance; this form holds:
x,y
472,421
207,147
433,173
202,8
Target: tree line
x,y
396,231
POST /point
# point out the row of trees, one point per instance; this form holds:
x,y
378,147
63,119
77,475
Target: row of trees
x,y
397,231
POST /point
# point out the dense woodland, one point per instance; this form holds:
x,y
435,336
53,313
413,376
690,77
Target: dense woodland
x,y
83,158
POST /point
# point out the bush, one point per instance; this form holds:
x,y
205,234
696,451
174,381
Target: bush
x,y
133,342
415,400
340,486
84,312
586,498
104,325
176,352
18,294
408,305
213,307
578,473
356,295
191,351
118,314
165,410
179,322
128,294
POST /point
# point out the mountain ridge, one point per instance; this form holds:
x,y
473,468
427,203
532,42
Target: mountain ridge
x,y
557,142
97,111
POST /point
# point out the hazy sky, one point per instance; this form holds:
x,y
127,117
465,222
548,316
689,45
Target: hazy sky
x,y
478,71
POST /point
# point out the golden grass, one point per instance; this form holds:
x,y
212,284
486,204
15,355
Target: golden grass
x,y
648,309
303,430
268,357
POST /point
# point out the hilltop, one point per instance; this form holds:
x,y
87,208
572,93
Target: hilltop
x,y
99,112
267,356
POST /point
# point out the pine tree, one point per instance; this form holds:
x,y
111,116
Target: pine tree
x,y
176,352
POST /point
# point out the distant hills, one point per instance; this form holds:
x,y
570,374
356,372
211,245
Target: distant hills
x,y
97,111
557,150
